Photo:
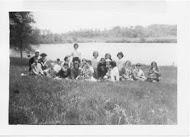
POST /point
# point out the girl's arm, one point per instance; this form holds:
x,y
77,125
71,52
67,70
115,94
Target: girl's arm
x,y
40,70
156,71
150,71
34,71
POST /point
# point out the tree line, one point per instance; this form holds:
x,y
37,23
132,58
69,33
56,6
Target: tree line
x,y
115,34
23,34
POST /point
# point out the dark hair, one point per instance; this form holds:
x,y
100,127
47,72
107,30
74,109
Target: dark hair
x,y
151,65
65,64
76,59
108,54
43,55
76,45
120,53
138,64
101,69
102,60
58,59
113,64
65,58
89,62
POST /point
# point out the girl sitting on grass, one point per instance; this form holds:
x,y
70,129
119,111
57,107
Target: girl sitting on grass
x,y
113,72
43,61
36,68
138,73
89,62
31,60
153,74
83,63
65,71
101,69
86,71
44,65
108,68
57,66
67,60
127,71
75,70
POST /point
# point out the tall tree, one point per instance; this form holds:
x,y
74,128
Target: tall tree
x,y
20,30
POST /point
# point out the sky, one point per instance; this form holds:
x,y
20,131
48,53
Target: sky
x,y
73,16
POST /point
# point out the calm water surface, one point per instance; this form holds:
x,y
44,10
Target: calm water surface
x,y
163,53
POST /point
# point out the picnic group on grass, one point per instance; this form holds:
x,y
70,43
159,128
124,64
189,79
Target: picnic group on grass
x,y
75,67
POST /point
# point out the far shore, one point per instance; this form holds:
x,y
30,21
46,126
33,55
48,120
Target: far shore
x,y
169,39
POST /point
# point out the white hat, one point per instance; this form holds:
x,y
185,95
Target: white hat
x,y
37,51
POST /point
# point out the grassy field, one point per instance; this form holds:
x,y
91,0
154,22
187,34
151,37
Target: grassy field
x,y
35,100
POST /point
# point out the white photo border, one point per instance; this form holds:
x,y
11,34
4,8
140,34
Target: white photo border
x,y
180,10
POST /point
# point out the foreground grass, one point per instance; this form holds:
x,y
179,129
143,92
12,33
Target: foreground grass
x,y
35,100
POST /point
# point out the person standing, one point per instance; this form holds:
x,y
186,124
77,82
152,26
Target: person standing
x,y
120,61
94,62
75,52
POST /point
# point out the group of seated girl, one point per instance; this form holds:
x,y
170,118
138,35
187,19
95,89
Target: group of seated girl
x,y
73,67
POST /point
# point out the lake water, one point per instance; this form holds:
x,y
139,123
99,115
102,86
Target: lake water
x,y
163,53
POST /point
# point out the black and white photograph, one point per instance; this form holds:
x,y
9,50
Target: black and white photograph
x,y
93,67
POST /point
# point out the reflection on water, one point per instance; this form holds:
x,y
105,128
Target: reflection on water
x,y
163,53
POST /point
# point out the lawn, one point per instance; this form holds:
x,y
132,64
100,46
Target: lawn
x,y
42,100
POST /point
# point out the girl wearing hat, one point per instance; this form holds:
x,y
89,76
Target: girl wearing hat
x,y
32,59
43,62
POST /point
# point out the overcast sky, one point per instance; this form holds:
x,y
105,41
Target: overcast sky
x,y
82,15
